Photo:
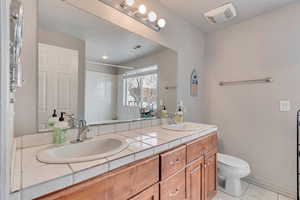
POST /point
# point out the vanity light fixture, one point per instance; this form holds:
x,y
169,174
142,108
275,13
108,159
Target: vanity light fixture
x,y
142,9
139,12
130,2
152,17
161,23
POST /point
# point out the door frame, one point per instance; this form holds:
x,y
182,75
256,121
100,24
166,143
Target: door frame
x,y
6,134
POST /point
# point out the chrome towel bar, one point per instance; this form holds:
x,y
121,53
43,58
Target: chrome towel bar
x,y
171,87
245,82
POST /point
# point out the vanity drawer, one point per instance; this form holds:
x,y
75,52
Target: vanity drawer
x,y
172,161
174,187
119,184
201,147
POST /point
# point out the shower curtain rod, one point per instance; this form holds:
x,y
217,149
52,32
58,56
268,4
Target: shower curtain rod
x,y
109,65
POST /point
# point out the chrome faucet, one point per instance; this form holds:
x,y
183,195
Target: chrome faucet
x,y
82,132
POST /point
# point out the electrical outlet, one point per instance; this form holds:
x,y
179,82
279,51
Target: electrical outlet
x,y
285,106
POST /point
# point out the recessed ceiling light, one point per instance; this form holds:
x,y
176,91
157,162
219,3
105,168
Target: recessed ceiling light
x,y
104,57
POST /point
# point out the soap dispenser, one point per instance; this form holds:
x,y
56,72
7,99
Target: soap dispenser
x,y
53,119
179,114
59,132
164,112
164,115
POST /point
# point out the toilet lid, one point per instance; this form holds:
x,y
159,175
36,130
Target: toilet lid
x,y
232,161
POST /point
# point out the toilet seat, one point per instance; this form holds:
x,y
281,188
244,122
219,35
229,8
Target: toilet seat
x,y
233,161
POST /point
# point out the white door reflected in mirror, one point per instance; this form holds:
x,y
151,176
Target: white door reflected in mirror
x,y
58,69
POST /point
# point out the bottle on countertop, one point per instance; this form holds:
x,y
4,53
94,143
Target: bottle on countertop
x,y
179,114
61,118
53,119
164,112
59,130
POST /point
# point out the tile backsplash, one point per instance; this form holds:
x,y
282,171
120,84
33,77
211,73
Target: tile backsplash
x,y
95,130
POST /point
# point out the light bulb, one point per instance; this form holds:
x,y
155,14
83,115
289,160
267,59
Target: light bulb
x,y
152,17
142,9
104,57
130,2
161,23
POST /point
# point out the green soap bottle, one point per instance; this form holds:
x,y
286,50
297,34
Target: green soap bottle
x,y
59,131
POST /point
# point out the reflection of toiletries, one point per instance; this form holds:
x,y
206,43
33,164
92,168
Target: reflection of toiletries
x,y
54,113
164,112
59,131
61,119
179,115
53,120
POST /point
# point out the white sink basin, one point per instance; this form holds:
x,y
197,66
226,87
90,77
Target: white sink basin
x,y
81,152
186,126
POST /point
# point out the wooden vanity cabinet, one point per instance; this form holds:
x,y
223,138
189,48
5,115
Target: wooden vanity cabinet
x,y
172,161
120,184
201,179
151,193
188,172
174,187
195,177
201,171
210,175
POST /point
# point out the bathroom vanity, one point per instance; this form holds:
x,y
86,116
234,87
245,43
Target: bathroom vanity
x,y
185,172
157,164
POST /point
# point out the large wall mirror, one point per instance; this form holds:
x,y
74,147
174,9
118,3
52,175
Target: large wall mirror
x,y
97,71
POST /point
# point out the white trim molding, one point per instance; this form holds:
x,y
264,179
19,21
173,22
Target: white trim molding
x,y
291,193
5,112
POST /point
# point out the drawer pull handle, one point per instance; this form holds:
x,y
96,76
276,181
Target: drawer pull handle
x,y
173,194
174,162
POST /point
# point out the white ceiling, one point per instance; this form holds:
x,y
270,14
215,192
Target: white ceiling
x,y
193,10
102,38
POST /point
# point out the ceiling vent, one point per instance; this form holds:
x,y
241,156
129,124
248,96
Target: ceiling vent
x,y
221,14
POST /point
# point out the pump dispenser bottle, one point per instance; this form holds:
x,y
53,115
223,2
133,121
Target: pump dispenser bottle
x,y
179,114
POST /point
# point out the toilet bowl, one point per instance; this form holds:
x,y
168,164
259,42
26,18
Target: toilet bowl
x,y
231,170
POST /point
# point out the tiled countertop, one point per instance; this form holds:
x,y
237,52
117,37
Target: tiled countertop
x,y
32,178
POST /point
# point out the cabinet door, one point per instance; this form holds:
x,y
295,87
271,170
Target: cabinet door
x,y
195,180
210,176
151,193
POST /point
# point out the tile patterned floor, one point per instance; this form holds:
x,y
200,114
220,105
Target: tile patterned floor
x,y
253,193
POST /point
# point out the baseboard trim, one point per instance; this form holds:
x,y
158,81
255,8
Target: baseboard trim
x,y
268,186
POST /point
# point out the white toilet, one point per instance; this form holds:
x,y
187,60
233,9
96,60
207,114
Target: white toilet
x,y
231,170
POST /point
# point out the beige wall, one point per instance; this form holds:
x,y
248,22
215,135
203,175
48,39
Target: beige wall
x,y
248,116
